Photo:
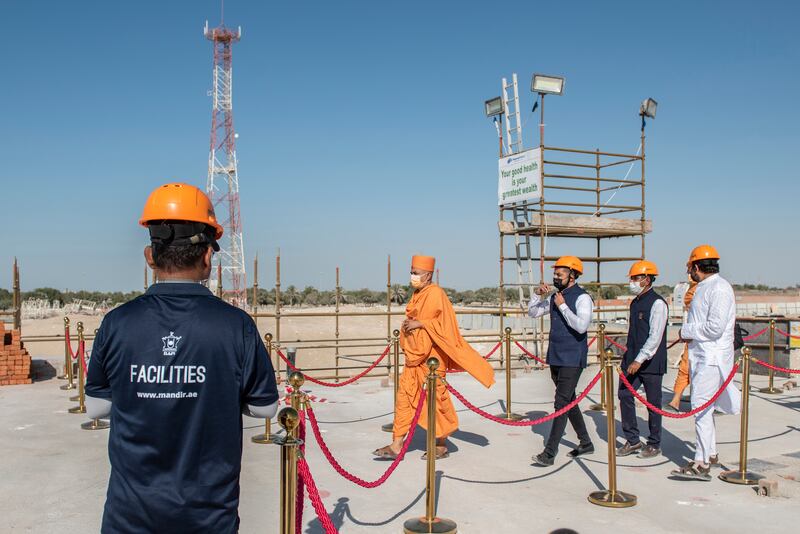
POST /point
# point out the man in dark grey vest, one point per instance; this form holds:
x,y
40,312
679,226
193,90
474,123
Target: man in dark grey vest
x,y
570,310
645,360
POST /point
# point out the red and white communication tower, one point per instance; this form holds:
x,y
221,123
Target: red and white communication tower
x,y
223,176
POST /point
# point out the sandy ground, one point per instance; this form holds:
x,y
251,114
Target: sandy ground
x,y
293,329
55,474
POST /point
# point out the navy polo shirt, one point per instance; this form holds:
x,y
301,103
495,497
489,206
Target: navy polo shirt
x,y
178,365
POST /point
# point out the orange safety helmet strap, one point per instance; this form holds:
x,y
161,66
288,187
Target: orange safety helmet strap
x,y
176,233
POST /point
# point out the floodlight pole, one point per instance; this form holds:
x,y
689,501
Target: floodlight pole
x,y
541,196
541,122
642,187
500,134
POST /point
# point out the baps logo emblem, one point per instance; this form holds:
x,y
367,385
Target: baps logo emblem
x,y
171,344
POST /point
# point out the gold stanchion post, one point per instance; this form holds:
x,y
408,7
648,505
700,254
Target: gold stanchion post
x,y
601,347
430,523
389,427
267,437
771,389
612,497
742,475
81,407
289,419
67,359
508,415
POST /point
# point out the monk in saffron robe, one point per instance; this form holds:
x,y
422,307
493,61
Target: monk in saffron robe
x,y
431,330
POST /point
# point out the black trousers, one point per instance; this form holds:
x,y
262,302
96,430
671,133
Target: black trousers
x,y
627,408
565,380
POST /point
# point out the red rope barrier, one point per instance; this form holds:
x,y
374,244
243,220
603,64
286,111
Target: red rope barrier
x,y
69,344
787,334
673,343
352,478
775,367
530,354
316,501
753,336
494,349
621,347
591,341
658,410
334,384
543,419
298,501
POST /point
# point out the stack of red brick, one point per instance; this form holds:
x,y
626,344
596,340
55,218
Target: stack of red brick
x,y
15,362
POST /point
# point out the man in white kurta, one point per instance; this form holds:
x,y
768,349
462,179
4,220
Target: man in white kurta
x,y
709,331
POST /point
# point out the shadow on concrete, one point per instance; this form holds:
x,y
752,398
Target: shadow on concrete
x,y
354,420
788,430
515,481
596,481
42,370
542,430
342,511
673,448
470,437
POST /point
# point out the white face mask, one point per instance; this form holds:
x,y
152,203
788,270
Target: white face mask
x,y
416,281
635,288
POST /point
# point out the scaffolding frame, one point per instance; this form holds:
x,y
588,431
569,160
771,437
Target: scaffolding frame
x,y
570,172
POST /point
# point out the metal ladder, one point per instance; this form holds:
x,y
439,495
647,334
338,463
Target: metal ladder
x,y
522,244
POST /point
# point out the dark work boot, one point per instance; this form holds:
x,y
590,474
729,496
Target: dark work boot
x,y
583,448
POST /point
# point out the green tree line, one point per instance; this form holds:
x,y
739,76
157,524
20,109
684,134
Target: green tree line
x,y
311,296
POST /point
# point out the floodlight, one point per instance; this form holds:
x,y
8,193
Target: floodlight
x,y
549,85
648,108
494,106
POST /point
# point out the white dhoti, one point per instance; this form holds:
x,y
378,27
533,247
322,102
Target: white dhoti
x,y
706,381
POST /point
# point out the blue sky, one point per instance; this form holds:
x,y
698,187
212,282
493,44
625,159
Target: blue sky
x,y
362,131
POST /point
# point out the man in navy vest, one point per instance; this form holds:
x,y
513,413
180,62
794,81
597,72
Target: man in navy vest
x,y
175,369
645,359
570,310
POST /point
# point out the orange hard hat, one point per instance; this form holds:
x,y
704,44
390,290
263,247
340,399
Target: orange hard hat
x,y
180,202
570,262
702,252
643,267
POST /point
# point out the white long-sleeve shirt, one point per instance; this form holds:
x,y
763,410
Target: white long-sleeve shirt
x,y
658,322
578,321
710,322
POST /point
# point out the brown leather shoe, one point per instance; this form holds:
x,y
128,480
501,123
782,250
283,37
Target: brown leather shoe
x,y
628,449
649,452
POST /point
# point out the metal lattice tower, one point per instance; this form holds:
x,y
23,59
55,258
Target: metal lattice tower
x,y
223,176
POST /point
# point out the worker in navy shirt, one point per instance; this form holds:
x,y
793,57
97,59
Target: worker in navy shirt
x,y
570,310
175,369
644,361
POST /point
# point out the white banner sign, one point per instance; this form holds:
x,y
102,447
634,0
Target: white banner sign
x,y
520,178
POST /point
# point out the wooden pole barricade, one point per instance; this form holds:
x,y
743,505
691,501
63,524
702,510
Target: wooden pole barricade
x,y
81,407
67,359
17,299
267,437
430,523
771,389
611,497
389,427
601,347
742,475
508,414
